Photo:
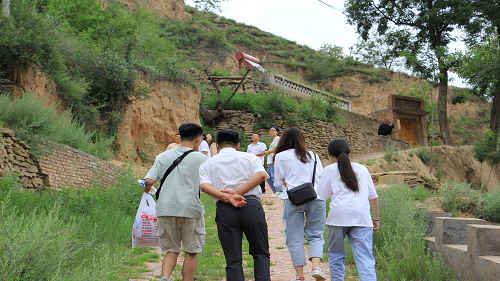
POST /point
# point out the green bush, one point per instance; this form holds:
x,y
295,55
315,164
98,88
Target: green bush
x,y
317,108
420,193
35,122
490,207
459,197
391,153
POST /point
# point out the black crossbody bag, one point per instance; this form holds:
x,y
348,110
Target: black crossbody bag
x,y
169,170
303,193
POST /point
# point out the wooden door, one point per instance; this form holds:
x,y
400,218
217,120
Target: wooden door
x,y
407,131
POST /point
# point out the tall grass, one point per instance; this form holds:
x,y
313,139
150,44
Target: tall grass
x,y
36,121
398,245
72,234
460,197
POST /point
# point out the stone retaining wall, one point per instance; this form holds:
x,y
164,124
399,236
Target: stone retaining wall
x,y
360,131
15,157
468,246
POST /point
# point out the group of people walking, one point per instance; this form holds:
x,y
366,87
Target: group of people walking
x,y
234,179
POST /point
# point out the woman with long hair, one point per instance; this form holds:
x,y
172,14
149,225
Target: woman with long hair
x,y
203,148
294,165
351,189
211,144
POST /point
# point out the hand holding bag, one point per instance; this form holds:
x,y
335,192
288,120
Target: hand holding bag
x,y
144,229
303,193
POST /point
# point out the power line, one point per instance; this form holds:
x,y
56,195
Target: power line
x,y
311,23
279,24
333,7
234,2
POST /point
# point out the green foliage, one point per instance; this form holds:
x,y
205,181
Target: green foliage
x,y
35,122
424,155
391,152
265,104
460,197
439,175
318,108
377,51
220,72
420,193
67,234
398,245
460,97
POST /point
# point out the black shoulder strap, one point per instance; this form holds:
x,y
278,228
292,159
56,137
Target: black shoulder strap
x,y
169,170
314,172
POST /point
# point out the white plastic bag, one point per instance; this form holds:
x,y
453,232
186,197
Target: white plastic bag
x,y
144,229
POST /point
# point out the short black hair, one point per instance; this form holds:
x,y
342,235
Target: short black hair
x,y
228,136
190,131
178,134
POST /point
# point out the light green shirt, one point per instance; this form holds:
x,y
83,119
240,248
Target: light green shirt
x,y
179,196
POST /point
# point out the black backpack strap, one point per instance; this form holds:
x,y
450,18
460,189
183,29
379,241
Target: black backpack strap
x,y
169,170
314,172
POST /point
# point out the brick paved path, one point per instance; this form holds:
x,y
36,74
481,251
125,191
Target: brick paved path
x,y
281,268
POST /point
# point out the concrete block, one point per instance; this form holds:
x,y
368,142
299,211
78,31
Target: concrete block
x,y
483,240
432,220
453,230
392,179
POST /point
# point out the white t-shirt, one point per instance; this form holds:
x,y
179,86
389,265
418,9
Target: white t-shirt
x,y
273,145
230,170
257,148
179,196
348,208
204,147
288,168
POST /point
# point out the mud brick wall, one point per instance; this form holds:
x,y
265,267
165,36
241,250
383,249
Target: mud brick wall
x,y
15,157
67,166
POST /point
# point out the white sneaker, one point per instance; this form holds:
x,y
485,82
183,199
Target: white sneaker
x,y
276,194
296,278
318,274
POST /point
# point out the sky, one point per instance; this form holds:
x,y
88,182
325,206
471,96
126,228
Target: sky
x,y
307,22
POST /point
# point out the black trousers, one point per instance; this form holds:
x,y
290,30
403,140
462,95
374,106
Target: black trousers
x,y
263,186
231,224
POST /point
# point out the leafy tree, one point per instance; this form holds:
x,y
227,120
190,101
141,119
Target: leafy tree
x,y
377,49
332,50
422,33
480,66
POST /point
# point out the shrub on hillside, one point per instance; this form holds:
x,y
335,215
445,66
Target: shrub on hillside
x,y
35,121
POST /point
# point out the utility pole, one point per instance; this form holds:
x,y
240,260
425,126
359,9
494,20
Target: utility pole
x,y
5,8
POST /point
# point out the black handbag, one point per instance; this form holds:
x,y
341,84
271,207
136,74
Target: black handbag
x,y
303,193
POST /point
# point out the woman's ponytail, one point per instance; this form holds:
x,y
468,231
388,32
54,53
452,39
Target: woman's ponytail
x,y
340,148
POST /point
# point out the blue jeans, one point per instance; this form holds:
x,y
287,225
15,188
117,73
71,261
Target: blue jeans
x,y
315,218
270,180
361,241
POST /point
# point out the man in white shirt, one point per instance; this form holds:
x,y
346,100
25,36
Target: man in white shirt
x,y
274,132
238,173
177,142
257,147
